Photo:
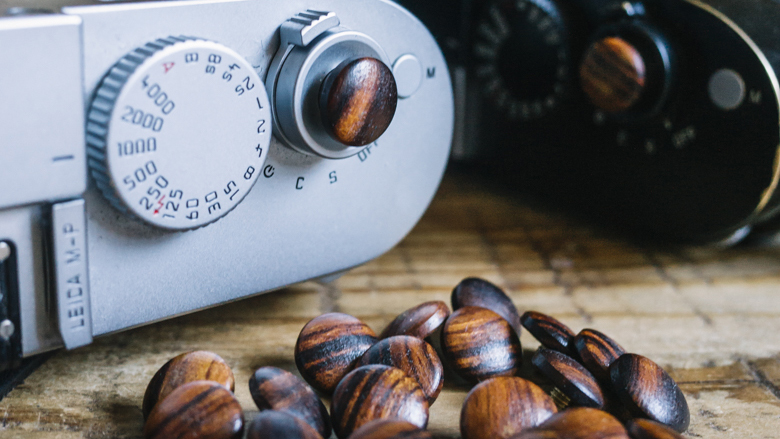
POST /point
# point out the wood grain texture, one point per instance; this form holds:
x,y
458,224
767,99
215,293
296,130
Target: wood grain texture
x,y
474,291
578,423
359,101
479,344
647,391
183,369
328,347
647,429
273,388
570,377
550,332
271,424
196,409
415,357
612,74
390,429
376,392
597,352
419,321
501,407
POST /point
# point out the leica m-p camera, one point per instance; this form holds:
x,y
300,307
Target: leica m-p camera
x,y
162,157
657,116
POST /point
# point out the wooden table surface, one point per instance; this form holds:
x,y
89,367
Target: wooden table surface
x,y
709,317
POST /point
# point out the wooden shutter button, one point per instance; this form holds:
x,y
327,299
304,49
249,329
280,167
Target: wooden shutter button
x,y
613,74
358,101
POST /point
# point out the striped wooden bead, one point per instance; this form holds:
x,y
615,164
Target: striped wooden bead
x,y
328,347
420,321
502,407
376,392
276,389
480,344
196,409
550,332
390,429
570,378
183,369
413,356
578,423
597,352
271,424
647,429
474,291
613,74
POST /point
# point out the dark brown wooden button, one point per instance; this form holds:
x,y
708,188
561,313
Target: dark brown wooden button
x,y
647,391
196,409
578,423
271,424
183,369
328,347
420,321
480,344
376,392
597,352
647,429
413,356
276,389
474,291
359,101
550,332
612,74
390,429
570,378
501,407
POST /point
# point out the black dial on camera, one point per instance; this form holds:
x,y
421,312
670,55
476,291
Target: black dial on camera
x,y
522,57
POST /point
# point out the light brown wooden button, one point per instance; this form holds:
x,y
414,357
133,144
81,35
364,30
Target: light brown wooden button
x,y
612,74
474,291
578,423
276,389
501,407
196,409
480,344
271,424
420,321
359,101
328,347
376,392
413,356
183,369
390,429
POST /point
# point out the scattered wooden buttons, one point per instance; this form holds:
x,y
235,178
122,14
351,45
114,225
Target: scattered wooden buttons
x,y
196,409
597,352
501,407
376,392
276,389
271,424
474,291
578,423
420,321
183,369
570,378
480,344
647,429
390,429
328,347
647,391
550,332
413,356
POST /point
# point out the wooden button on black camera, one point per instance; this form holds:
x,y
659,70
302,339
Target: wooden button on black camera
x,y
612,74
358,101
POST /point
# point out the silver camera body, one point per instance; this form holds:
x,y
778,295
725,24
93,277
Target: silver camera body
x,y
162,157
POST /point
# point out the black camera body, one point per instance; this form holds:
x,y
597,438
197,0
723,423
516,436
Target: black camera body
x,y
659,117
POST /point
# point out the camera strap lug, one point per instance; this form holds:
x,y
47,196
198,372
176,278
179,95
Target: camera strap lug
x,y
71,282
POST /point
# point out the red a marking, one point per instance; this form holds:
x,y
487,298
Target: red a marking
x,y
167,66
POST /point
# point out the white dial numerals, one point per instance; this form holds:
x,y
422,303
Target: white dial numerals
x,y
188,135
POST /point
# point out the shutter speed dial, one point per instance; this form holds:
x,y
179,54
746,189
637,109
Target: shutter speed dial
x,y
178,132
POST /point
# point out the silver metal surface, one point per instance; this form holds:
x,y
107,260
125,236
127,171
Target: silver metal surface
x,y
407,71
7,329
71,278
726,89
42,155
294,82
5,251
304,27
307,217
